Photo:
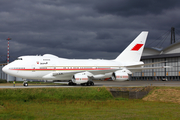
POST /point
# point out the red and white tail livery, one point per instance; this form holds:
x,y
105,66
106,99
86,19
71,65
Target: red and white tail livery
x,y
134,51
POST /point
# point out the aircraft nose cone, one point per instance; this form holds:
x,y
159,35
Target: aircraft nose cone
x,y
5,69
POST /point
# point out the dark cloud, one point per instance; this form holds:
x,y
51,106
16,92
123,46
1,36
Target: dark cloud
x,y
136,7
103,36
82,28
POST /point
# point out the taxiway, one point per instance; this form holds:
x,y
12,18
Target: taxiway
x,y
103,83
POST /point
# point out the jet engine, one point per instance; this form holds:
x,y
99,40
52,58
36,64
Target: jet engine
x,y
120,75
80,78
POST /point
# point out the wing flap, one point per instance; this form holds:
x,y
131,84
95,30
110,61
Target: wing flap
x,y
70,74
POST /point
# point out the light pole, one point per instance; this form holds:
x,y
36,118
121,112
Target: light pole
x,y
8,56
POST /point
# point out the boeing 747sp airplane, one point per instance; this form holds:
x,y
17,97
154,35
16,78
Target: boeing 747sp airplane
x,y
80,71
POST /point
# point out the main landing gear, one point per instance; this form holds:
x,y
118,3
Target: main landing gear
x,y
25,83
89,83
71,83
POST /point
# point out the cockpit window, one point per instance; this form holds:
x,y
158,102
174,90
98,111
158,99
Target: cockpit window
x,y
19,58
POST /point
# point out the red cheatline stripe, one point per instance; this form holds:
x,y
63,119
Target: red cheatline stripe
x,y
81,78
137,47
121,76
63,69
125,76
117,76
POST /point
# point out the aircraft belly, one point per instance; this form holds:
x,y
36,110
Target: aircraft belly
x,y
30,74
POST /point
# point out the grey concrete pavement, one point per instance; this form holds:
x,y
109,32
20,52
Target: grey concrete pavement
x,y
107,84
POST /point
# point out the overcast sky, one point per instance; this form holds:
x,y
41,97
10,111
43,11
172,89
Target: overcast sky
x,y
82,28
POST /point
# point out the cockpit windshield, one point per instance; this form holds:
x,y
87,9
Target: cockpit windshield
x,y
19,59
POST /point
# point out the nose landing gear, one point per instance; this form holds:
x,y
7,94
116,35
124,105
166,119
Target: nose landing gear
x,y
25,83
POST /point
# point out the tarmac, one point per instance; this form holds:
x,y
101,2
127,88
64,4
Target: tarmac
x,y
101,83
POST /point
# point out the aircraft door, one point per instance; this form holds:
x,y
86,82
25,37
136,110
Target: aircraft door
x,y
33,68
54,67
95,66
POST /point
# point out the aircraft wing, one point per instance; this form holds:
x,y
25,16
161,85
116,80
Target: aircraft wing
x,y
94,72
54,75
138,69
91,73
132,69
66,75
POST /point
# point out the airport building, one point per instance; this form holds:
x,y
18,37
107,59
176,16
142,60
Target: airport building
x,y
2,74
171,57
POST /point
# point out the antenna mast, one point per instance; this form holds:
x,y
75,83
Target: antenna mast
x,y
172,35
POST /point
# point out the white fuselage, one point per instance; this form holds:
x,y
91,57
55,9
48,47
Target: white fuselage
x,y
41,67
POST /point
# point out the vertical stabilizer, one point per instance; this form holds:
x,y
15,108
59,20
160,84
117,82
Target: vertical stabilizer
x,y
134,51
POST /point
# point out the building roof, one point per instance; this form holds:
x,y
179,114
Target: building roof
x,y
160,56
150,51
173,48
170,51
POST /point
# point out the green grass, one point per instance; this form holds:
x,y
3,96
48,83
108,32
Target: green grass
x,y
85,93
79,103
89,109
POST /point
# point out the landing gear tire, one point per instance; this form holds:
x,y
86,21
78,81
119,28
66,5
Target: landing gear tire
x,y
71,83
82,84
25,84
87,84
92,83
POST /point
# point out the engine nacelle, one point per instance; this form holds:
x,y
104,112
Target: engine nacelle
x,y
120,76
80,78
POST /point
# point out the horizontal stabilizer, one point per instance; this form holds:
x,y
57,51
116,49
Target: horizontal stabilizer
x,y
138,69
145,64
